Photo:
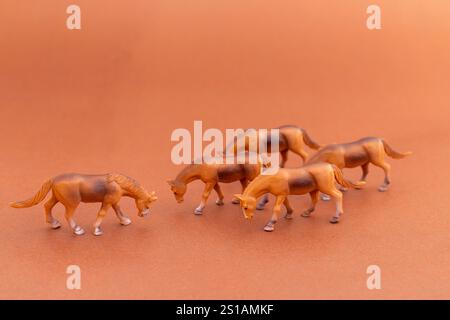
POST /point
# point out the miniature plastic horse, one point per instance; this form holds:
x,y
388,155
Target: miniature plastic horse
x,y
71,189
310,179
359,153
211,175
292,138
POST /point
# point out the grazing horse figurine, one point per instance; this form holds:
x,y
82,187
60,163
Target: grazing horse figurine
x,y
291,138
359,153
211,175
72,188
312,179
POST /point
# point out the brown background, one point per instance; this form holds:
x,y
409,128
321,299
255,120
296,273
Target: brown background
x,y
107,97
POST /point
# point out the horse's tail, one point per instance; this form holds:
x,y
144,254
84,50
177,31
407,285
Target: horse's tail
x,y
38,197
339,176
310,142
394,154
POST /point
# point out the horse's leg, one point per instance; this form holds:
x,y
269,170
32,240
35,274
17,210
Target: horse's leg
x,y
289,209
339,187
262,203
244,184
284,158
365,171
314,199
387,170
219,201
342,188
206,192
276,211
124,220
70,209
299,151
337,195
100,215
325,197
48,213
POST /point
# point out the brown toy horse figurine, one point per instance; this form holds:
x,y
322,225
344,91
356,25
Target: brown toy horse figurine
x,y
359,153
71,189
292,138
211,175
310,179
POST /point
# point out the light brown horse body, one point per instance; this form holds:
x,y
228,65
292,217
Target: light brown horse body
x,y
211,175
310,179
291,138
72,188
359,153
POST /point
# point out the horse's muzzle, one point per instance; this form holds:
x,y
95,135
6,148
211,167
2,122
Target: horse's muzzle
x,y
248,217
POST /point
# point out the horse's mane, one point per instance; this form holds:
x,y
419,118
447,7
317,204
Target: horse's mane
x,y
128,184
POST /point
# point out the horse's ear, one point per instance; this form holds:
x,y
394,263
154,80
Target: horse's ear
x,y
171,183
239,196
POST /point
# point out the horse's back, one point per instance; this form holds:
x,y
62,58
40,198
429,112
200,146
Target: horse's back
x,y
299,180
234,172
332,153
81,187
358,152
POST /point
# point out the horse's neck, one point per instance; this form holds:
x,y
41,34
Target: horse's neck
x,y
189,174
257,188
129,190
138,194
131,194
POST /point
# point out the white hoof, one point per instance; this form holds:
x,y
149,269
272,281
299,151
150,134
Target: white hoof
x,y
198,211
334,220
219,202
55,224
98,231
125,221
79,231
